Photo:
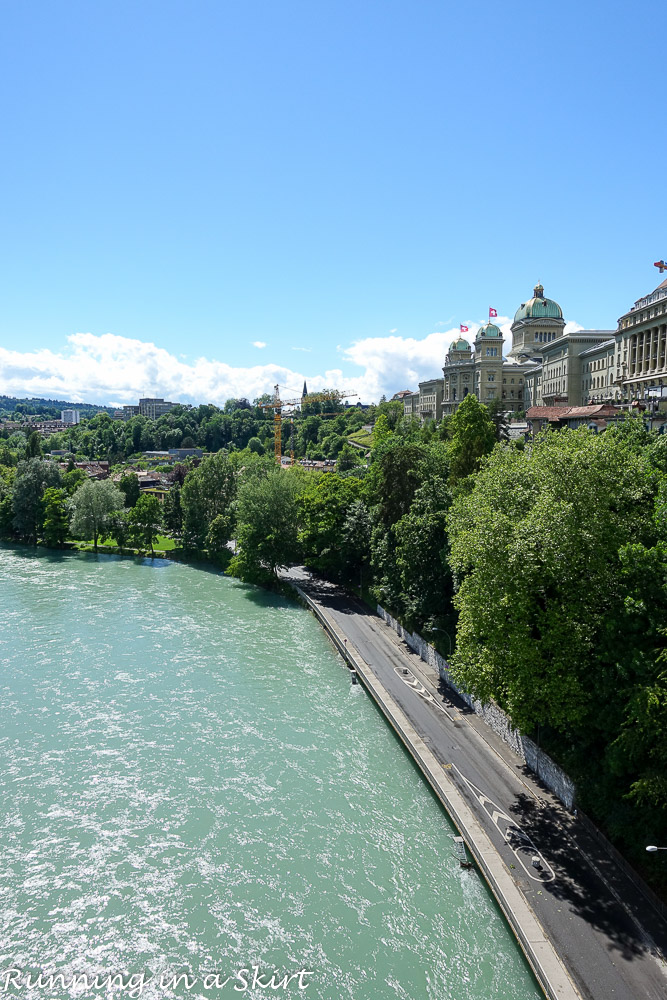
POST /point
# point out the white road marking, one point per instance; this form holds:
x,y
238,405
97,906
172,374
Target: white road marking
x,y
516,838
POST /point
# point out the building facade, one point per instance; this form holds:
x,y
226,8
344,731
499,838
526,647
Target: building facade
x,y
641,347
148,407
548,365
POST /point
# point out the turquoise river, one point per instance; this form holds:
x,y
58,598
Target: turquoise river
x,y
192,786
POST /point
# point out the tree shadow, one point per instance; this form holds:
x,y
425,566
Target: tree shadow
x,y
578,884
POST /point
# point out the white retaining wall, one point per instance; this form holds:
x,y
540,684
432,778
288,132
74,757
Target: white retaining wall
x,y
543,766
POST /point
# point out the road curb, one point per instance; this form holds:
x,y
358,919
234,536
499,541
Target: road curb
x,y
543,959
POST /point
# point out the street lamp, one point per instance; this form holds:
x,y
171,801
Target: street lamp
x,y
652,848
449,641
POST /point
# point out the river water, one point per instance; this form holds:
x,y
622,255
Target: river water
x,y
192,786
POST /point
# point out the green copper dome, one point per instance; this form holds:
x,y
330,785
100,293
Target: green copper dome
x,y
539,307
461,345
488,330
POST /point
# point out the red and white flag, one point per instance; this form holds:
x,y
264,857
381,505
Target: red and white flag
x,y
464,329
492,312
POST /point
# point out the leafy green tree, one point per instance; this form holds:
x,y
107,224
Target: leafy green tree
x,y
33,476
498,416
256,445
144,521
381,430
356,541
56,517
536,543
7,456
267,524
209,490
6,506
34,446
348,458
473,435
172,512
118,528
220,532
422,551
323,507
398,470
93,506
72,479
129,487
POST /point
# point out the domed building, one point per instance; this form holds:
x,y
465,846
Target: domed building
x,y
545,367
537,322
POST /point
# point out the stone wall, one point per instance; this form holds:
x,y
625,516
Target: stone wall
x,y
542,765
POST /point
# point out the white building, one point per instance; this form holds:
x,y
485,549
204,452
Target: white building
x,y
70,416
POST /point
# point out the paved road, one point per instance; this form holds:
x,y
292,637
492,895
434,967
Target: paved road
x,y
599,923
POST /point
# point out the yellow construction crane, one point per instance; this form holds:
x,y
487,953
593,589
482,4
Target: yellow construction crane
x,y
277,404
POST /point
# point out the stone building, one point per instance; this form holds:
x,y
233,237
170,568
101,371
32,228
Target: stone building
x,y
641,347
548,365
429,406
606,366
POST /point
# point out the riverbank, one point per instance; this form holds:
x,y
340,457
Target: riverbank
x,y
575,913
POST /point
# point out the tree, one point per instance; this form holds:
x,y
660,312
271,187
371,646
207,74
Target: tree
x,y
356,540
545,626
220,532
422,551
498,416
397,471
117,527
56,517
93,506
144,521
256,445
33,476
323,507
72,479
267,525
6,506
172,512
208,490
33,448
473,435
347,458
129,487
381,430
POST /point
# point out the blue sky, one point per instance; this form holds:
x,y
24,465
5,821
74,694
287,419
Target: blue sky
x,y
343,183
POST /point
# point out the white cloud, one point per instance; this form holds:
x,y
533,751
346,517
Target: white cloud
x,y
108,368
258,343
393,363
103,368
306,350
394,330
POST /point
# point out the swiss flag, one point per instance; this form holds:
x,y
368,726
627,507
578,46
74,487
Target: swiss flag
x,y
464,329
492,312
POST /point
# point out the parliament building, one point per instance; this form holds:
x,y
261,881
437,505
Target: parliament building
x,y
549,366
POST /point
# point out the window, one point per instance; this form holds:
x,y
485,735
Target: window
x,y
491,377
